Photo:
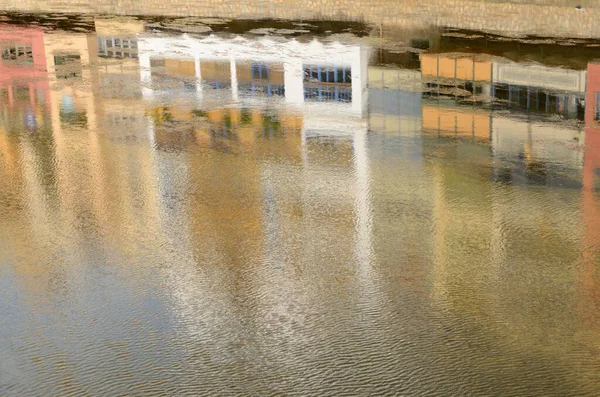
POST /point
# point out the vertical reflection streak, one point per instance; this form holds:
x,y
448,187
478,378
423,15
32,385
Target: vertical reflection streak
x,y
145,71
440,211
362,205
234,80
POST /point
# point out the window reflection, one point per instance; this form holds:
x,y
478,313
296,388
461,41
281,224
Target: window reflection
x,y
327,84
17,53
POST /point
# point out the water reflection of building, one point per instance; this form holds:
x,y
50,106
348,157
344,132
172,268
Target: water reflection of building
x,y
118,74
266,110
540,88
445,78
526,150
592,121
395,100
591,198
524,87
282,185
462,145
117,38
69,57
303,73
24,87
66,161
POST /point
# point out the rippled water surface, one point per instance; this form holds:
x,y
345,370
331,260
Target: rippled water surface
x,y
215,207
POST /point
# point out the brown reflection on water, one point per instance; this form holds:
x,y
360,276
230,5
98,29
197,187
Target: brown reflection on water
x,y
203,214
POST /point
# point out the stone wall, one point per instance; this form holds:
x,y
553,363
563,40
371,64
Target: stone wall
x,y
554,18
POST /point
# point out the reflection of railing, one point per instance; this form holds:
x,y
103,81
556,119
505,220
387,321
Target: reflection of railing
x,y
262,88
328,93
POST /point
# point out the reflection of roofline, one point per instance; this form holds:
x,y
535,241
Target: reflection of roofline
x,y
240,48
539,76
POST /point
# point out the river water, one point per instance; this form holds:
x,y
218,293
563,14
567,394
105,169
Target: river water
x,y
215,207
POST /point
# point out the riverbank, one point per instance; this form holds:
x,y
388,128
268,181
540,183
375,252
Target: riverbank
x,y
548,18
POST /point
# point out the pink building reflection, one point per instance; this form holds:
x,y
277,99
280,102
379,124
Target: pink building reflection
x,y
591,191
23,74
592,122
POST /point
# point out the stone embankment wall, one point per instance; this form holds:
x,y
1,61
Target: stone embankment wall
x,y
553,18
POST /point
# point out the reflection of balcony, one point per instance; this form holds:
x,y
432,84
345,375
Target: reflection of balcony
x,y
122,119
539,153
520,170
74,119
540,88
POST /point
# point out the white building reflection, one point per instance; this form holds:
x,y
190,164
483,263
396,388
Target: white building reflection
x,y
303,73
304,100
